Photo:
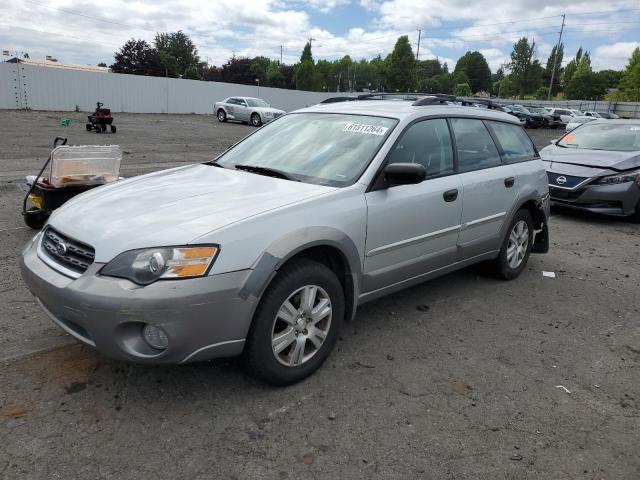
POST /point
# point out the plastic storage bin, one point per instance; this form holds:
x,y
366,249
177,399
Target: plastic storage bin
x,y
84,165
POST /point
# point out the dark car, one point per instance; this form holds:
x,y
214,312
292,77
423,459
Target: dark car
x,y
531,120
608,115
549,120
596,167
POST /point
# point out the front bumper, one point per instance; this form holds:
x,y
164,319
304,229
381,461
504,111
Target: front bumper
x,y
619,199
202,317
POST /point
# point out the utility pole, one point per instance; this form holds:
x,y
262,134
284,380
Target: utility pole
x,y
280,54
555,58
418,49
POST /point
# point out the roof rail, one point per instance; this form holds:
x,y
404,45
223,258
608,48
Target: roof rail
x,y
433,100
379,96
484,101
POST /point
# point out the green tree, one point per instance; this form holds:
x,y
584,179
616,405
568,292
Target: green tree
x,y
477,70
275,78
237,70
401,75
629,87
306,53
609,78
526,73
549,72
542,93
178,53
259,66
584,84
506,89
192,73
462,90
305,71
137,57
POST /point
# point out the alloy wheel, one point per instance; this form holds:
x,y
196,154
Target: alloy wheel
x,y
518,244
301,325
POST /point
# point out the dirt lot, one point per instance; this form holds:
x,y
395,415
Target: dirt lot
x,y
464,377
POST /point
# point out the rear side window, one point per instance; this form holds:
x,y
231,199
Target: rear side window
x,y
428,143
475,146
515,143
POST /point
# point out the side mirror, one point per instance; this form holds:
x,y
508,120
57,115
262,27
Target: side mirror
x,y
404,173
554,141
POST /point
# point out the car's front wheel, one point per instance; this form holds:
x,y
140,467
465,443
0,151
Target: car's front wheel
x,y
222,116
516,247
256,121
296,323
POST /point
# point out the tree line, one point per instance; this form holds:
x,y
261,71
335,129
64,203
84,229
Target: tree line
x,y
176,55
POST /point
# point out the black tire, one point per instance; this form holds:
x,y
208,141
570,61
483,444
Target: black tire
x,y
222,115
259,358
88,127
501,266
635,217
35,220
113,129
104,128
98,129
256,121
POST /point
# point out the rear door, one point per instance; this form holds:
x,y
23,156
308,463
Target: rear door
x,y
413,229
488,185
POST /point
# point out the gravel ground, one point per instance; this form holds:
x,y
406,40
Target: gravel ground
x,y
464,377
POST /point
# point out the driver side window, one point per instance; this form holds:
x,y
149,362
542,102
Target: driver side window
x,y
429,143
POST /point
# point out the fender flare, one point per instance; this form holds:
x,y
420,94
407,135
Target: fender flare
x,y
287,246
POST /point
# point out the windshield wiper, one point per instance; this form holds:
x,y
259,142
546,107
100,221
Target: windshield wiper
x,y
270,172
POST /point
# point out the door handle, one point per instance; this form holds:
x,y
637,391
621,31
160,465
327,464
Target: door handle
x,y
450,195
509,181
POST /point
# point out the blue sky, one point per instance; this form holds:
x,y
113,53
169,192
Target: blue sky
x,y
76,31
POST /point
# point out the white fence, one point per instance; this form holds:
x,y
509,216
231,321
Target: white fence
x,y
42,88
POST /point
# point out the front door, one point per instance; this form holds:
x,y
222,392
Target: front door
x,y
413,229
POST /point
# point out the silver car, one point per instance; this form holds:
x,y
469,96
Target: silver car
x,y
266,250
246,109
596,167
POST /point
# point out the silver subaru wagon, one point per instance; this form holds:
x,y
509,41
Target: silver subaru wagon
x,y
267,249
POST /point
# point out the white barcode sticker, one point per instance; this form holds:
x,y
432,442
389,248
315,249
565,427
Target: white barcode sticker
x,y
362,128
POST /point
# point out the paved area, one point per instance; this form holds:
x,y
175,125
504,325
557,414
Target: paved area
x,y
464,377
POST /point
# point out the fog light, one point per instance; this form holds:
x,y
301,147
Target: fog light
x,y
155,337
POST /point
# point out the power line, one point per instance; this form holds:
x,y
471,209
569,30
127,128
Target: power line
x,y
90,17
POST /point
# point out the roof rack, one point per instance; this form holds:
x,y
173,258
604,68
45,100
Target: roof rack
x,y
465,102
433,99
378,96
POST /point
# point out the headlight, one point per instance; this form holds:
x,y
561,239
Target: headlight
x,y
620,178
147,265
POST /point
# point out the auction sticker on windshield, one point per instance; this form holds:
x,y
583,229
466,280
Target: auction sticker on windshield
x,y
363,128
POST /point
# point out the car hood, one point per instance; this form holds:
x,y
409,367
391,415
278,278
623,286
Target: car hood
x,y
605,159
268,109
172,207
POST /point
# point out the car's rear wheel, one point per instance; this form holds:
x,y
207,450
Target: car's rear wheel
x,y
635,217
296,323
516,246
256,121
222,116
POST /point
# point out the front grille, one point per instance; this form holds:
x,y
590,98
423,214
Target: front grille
x,y
67,252
559,193
566,181
277,114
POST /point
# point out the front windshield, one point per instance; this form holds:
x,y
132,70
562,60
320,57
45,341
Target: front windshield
x,y
620,137
322,148
257,102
